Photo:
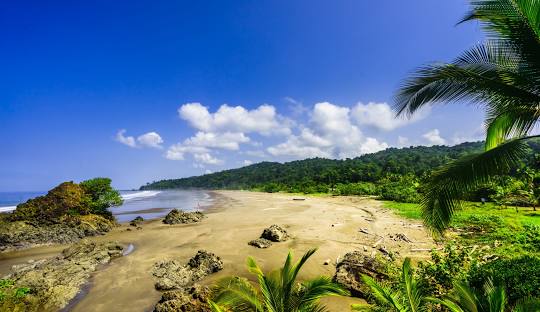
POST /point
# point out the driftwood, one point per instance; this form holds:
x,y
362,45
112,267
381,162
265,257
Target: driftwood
x,y
378,242
426,249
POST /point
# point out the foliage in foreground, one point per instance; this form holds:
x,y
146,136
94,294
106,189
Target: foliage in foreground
x,y
502,77
68,200
407,297
12,298
277,290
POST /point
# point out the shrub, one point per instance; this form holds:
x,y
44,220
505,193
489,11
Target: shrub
x,y
437,276
67,198
400,191
70,199
520,276
361,188
102,196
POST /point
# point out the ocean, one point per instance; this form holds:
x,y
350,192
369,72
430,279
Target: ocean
x,y
147,204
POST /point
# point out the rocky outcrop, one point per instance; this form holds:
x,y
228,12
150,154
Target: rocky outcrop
x,y
350,269
275,233
191,299
135,222
260,243
181,217
23,234
54,282
174,275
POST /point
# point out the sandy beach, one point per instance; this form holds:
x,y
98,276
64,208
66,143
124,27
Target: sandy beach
x,y
332,224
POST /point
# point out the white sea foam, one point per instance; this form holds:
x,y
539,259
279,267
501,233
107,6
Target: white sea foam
x,y
7,209
140,195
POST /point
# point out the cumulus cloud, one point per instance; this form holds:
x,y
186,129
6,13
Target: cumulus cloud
x,y
381,116
228,140
201,144
330,134
433,137
206,158
402,141
150,139
178,151
296,107
247,162
127,140
263,120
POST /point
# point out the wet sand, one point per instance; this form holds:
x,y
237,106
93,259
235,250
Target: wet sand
x,y
330,223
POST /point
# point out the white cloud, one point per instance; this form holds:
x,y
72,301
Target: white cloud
x,y
263,120
403,141
206,158
247,162
150,139
433,137
207,171
331,135
178,151
127,140
381,116
296,107
228,140
201,144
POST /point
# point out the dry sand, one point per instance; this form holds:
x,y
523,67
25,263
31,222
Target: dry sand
x,y
331,224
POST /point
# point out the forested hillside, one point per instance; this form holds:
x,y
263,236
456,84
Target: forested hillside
x,y
392,173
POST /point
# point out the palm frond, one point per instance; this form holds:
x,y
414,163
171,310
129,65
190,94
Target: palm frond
x,y
527,305
237,294
517,21
447,185
413,294
313,290
384,294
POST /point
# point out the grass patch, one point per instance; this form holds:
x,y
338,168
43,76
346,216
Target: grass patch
x,y
506,230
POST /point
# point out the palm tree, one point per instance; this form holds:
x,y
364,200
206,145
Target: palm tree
x,y
278,291
501,76
490,299
408,298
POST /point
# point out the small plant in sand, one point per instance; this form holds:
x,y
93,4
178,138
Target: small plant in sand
x,y
277,290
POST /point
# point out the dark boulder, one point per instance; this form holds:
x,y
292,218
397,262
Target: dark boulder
x,y
260,243
275,233
350,269
176,216
174,275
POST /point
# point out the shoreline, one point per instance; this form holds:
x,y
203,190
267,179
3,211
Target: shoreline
x,y
235,217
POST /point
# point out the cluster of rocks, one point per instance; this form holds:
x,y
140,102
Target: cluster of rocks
x,y
190,299
176,216
137,221
178,280
274,233
23,234
354,264
54,282
172,274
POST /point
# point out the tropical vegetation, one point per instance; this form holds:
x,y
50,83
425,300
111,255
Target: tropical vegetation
x,y
278,291
501,76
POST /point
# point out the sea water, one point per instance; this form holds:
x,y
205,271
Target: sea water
x,y
147,204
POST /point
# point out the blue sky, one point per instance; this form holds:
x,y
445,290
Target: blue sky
x,y
144,90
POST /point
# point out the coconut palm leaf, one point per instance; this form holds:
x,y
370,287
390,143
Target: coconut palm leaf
x,y
449,183
502,76
409,298
467,299
278,290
